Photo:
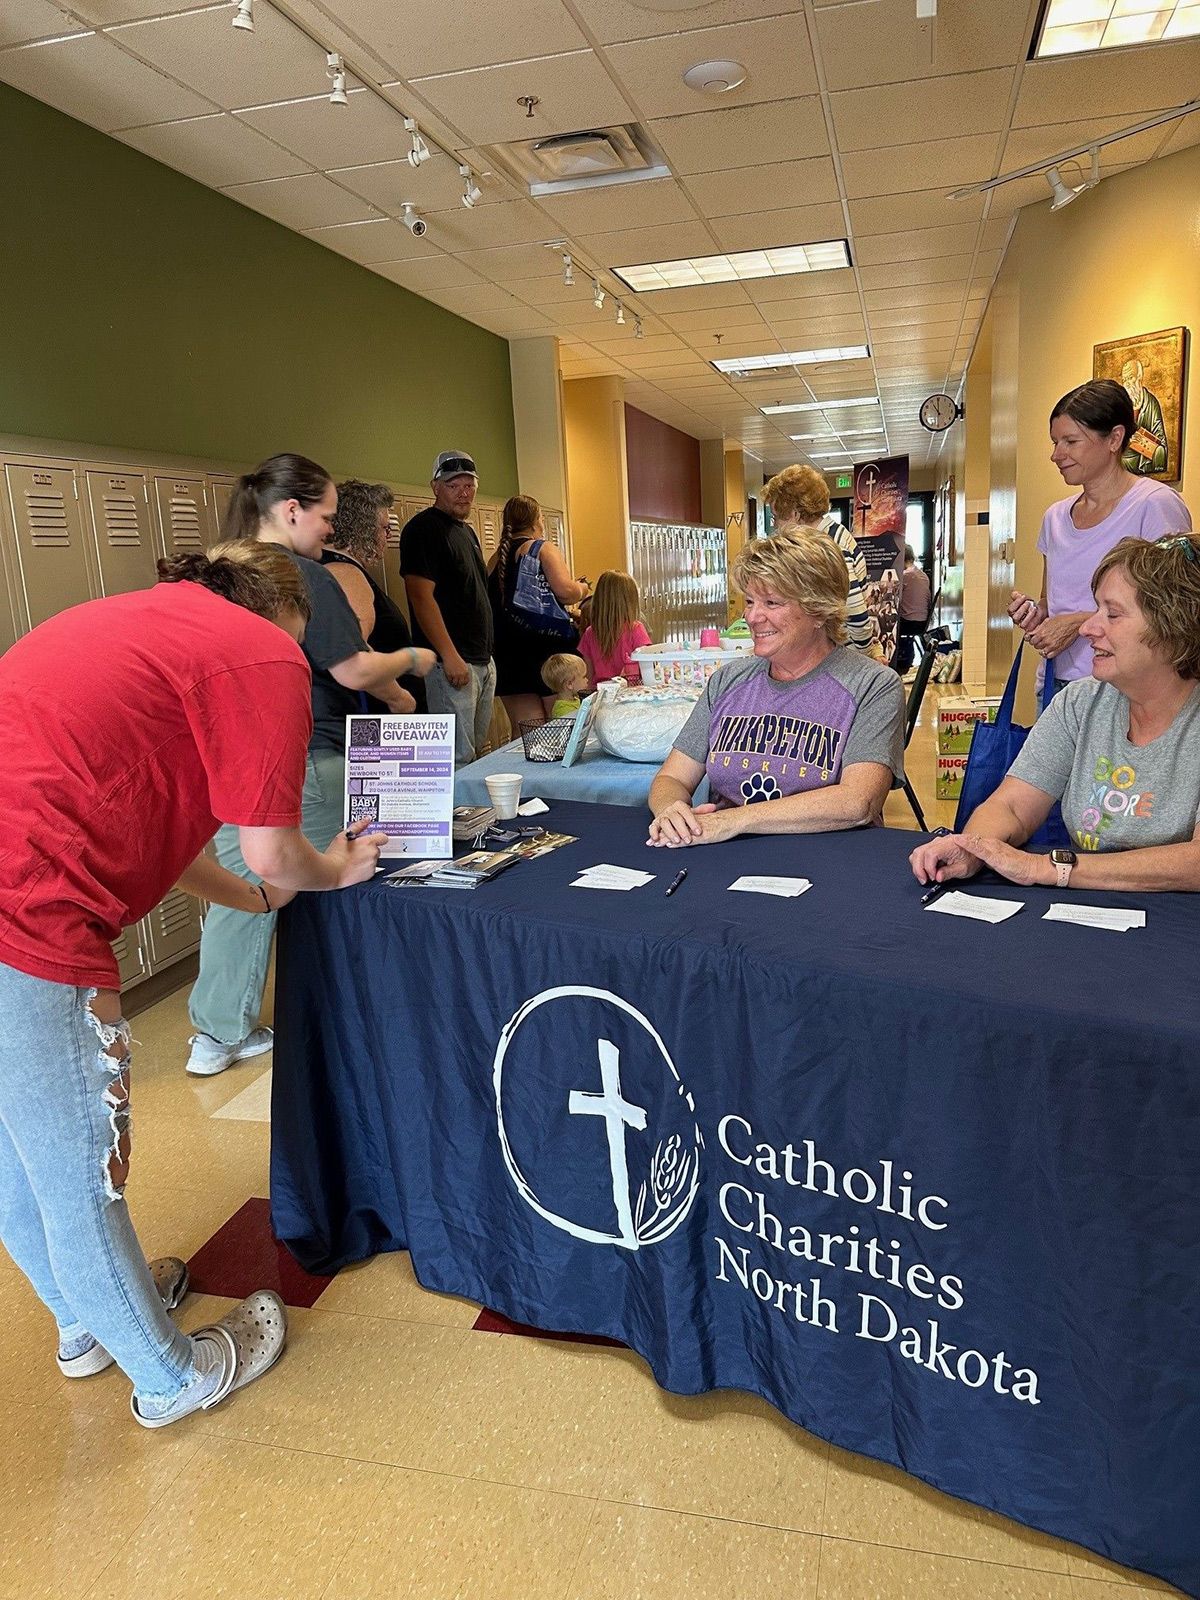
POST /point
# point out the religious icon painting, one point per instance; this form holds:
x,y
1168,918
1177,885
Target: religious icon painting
x,y
1152,368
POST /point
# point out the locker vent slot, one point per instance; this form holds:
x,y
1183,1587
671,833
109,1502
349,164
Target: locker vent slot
x,y
185,524
121,522
173,915
47,517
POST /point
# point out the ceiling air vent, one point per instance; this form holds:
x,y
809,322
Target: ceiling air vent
x,y
590,158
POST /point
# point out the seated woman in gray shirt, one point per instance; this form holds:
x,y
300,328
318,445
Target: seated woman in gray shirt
x,y
1120,749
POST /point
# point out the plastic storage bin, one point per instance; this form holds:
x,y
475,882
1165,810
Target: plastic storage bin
x,y
663,665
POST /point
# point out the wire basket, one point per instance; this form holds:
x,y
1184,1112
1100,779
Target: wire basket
x,y
546,741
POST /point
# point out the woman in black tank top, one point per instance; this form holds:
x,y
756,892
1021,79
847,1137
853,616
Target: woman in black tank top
x,y
359,537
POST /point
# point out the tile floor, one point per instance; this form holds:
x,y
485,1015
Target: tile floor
x,y
397,1453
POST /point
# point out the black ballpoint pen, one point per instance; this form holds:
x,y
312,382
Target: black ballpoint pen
x,y
676,880
931,895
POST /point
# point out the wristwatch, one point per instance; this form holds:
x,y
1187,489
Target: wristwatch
x,y
1064,863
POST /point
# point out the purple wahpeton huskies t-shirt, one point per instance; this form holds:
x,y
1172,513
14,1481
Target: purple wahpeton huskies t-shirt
x,y
760,739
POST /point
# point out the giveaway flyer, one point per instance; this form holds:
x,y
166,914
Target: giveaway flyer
x,y
400,775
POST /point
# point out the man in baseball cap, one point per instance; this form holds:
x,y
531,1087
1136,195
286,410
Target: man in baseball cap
x,y
446,583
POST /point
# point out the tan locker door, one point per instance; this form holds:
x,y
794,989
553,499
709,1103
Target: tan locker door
x,y
391,580
220,493
129,949
183,514
120,506
51,539
174,927
488,521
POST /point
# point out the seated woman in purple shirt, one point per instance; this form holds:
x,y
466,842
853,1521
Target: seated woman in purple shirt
x,y
806,723
1089,428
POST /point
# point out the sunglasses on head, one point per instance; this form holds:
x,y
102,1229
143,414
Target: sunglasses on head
x,y
1182,542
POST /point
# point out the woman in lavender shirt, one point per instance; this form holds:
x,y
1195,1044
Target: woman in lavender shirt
x,y
1089,428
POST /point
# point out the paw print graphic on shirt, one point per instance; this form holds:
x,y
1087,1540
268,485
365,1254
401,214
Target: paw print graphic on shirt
x,y
757,789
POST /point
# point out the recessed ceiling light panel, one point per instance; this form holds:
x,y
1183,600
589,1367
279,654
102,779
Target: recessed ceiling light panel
x,y
821,405
715,77
694,271
1073,27
793,358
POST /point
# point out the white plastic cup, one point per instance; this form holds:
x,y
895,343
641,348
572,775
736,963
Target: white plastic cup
x,y
504,791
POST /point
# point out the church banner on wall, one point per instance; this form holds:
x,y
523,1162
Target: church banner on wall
x,y
880,515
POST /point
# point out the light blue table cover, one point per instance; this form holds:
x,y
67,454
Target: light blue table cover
x,y
597,777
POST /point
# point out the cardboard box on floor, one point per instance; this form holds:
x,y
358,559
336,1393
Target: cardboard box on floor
x,y
950,771
956,721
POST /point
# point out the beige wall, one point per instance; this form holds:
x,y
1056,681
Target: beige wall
x,y
538,421
597,483
1124,259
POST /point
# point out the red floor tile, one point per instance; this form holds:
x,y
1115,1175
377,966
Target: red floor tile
x,y
244,1255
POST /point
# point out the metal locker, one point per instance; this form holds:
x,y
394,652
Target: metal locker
x,y
183,514
124,543
174,928
220,493
392,581
129,949
53,568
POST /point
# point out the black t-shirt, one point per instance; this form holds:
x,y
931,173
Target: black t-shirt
x,y
331,635
390,633
437,546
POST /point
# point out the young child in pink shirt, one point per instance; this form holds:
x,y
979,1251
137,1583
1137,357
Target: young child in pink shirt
x,y
616,630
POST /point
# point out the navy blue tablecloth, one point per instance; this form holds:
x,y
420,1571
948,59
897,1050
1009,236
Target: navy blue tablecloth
x,y
928,1185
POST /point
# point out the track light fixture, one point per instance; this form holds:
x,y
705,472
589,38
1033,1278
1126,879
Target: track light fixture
x,y
638,331
597,295
472,194
620,315
335,67
419,153
244,18
415,224
1063,196
568,269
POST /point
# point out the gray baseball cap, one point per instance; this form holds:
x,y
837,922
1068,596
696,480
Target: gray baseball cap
x,y
453,464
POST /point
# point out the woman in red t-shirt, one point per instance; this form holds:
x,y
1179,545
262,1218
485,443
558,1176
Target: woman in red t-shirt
x,y
131,727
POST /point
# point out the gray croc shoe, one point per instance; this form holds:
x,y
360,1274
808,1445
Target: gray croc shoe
x,y
249,1341
170,1276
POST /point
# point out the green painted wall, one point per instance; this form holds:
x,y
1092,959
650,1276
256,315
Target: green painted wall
x,y
140,309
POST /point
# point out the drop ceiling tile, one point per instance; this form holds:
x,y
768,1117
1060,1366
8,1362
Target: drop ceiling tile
x,y
918,244
309,201
652,202
91,80
695,299
573,91
907,113
767,229
104,12
927,208
920,166
819,333
1110,83
912,295
23,20
889,317
636,245
522,325
717,319
1182,136
479,297
614,21
744,189
232,68
417,38
659,346
511,262
369,242
435,186
217,150
571,302
883,42
368,130
428,272
828,286
744,136
513,222
774,51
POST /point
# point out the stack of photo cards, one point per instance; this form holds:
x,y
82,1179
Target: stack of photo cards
x,y
605,877
786,888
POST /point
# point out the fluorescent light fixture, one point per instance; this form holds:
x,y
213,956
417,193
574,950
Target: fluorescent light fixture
x,y
1071,27
830,455
694,271
821,405
793,358
824,438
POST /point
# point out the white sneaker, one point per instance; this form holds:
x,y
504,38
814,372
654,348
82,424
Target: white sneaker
x,y
170,1276
209,1056
249,1341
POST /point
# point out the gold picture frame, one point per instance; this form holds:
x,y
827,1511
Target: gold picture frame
x,y
1152,367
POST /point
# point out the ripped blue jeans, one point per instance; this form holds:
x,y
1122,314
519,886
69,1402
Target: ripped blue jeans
x,y
64,1155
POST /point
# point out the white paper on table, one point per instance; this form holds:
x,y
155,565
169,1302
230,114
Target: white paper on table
x,y
1115,918
977,906
532,808
603,883
787,888
608,877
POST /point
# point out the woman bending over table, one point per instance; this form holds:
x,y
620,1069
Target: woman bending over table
x,y
1120,749
806,723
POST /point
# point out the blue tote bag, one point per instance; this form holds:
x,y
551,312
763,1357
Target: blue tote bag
x,y
994,748
533,599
